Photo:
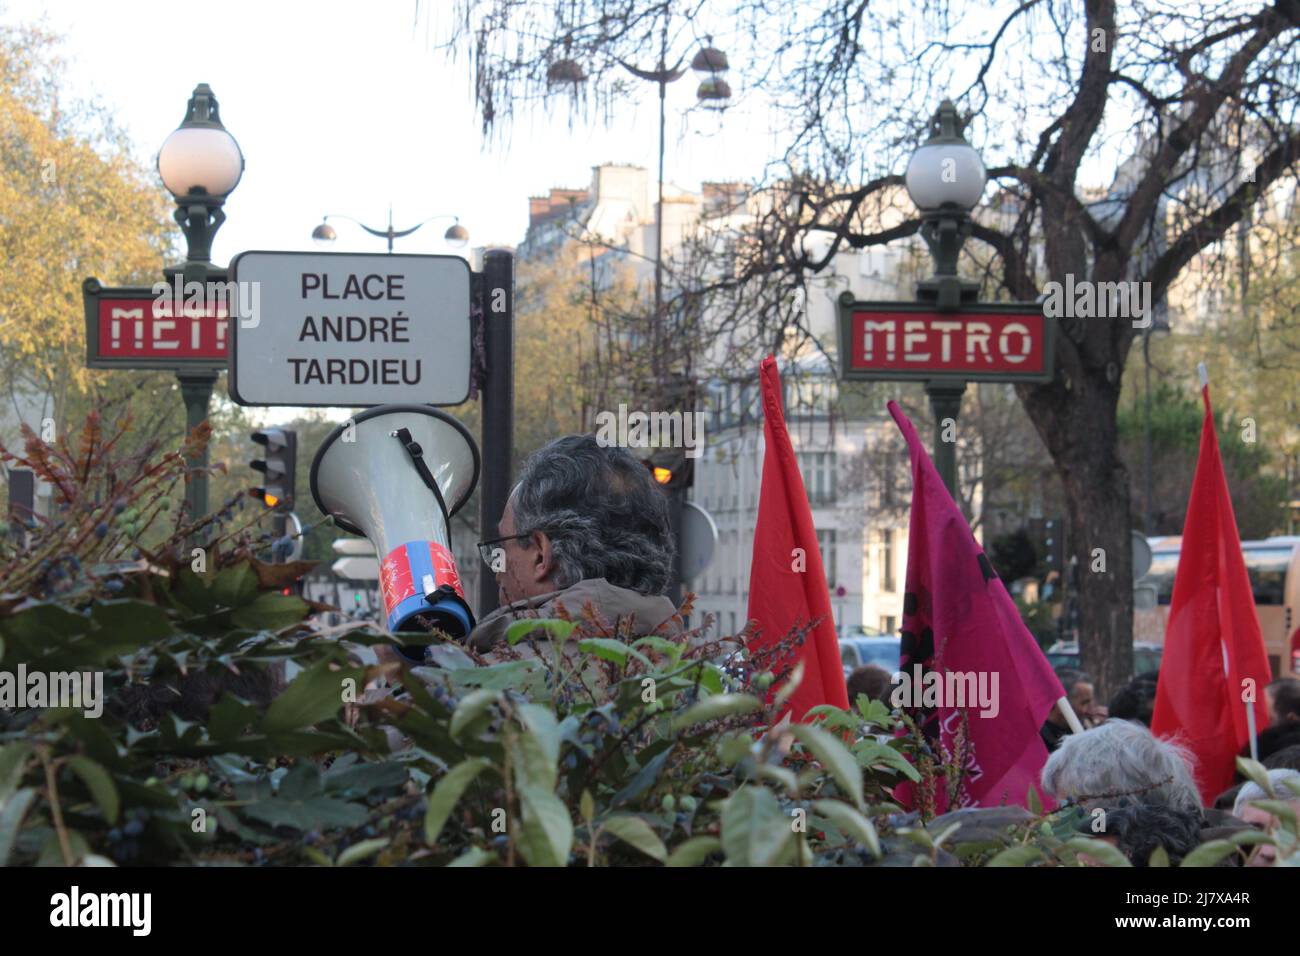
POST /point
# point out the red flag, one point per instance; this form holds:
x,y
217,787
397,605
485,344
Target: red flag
x,y
963,638
1213,644
787,586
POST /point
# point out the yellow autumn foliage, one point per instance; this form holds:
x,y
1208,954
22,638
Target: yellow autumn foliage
x,y
74,203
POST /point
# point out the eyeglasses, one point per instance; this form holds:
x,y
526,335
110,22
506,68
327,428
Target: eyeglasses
x,y
486,548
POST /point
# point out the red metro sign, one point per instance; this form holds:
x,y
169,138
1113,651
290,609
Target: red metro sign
x,y
992,342
136,328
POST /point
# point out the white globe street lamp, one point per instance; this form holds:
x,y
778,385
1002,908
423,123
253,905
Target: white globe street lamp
x,y
946,178
200,164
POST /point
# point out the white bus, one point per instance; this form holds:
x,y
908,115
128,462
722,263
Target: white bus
x,y
1273,565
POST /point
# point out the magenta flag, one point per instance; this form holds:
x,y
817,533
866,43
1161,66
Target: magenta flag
x,y
965,651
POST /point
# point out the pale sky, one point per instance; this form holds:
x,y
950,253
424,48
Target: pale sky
x,y
343,107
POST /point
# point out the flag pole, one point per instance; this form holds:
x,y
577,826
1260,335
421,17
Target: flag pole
x,y
1071,717
1250,729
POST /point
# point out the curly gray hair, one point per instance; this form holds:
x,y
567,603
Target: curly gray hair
x,y
604,514
1121,763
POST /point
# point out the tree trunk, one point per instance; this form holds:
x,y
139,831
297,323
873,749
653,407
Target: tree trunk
x,y
1077,422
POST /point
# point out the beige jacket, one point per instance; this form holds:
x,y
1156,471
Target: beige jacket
x,y
619,607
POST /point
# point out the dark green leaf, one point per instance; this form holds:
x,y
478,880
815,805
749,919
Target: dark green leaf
x,y
235,587
546,830
1209,854
834,756
12,812
694,851
446,792
99,783
315,813
713,708
314,695
359,851
754,830
559,630
270,612
636,832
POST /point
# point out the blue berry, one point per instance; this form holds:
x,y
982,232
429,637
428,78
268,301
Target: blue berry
x,y
101,530
133,829
114,835
113,586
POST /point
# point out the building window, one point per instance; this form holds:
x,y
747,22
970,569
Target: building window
x,y
887,560
826,544
889,476
818,470
733,551
887,624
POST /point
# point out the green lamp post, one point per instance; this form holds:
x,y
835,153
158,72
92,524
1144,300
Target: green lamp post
x,y
200,164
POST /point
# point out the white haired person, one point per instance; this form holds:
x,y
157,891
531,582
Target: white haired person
x,y
1121,763
1265,854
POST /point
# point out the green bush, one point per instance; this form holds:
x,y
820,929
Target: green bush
x,y
238,731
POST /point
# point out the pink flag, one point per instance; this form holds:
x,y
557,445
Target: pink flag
x,y
965,651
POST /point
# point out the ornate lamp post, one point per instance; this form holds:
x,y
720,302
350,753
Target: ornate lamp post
x,y
456,235
200,164
945,178
714,92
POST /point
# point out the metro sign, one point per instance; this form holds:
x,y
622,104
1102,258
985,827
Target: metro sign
x,y
136,328
910,341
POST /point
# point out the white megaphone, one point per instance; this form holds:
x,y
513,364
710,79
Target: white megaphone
x,y
396,474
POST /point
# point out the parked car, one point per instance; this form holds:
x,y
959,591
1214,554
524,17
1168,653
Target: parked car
x,y
882,650
1146,656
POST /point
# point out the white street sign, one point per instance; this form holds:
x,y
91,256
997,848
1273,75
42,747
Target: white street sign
x,y
357,568
699,540
352,546
344,330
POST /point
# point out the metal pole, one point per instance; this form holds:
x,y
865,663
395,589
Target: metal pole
x,y
945,399
1146,450
196,390
659,233
498,403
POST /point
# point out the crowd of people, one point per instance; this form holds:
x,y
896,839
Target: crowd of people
x,y
587,525
1144,786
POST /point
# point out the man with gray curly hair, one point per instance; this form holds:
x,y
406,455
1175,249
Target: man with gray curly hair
x,y
1121,763
585,523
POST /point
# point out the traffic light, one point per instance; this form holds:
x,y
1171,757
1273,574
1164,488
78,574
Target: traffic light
x,y
671,469
279,467
1053,545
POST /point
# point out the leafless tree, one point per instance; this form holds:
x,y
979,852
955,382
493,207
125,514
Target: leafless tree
x,y
1124,139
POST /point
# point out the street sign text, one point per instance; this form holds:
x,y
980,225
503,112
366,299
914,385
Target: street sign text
x,y
353,330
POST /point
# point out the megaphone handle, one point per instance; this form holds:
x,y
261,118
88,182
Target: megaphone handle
x,y
416,453
416,654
